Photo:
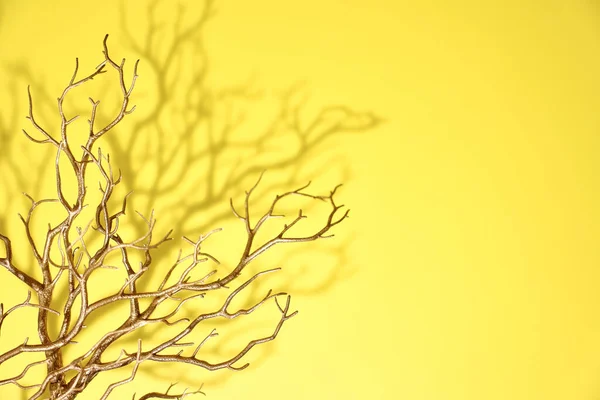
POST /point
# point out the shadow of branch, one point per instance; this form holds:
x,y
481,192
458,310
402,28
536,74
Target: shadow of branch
x,y
203,144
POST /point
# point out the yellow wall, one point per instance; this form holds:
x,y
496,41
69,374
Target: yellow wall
x,y
475,205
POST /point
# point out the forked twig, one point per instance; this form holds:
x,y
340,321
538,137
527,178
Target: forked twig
x,y
75,254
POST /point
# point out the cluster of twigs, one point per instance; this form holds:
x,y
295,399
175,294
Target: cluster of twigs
x,y
80,259
189,105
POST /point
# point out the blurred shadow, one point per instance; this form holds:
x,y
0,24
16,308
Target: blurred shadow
x,y
201,143
19,170
203,128
220,113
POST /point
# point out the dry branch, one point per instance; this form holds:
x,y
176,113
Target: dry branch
x,y
81,259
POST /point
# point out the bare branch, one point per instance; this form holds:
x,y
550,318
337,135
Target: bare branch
x,y
166,395
24,304
15,379
77,251
7,262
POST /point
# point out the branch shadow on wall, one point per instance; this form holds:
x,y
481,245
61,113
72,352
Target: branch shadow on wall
x,y
203,144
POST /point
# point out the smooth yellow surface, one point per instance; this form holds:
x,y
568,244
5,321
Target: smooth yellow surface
x,y
475,206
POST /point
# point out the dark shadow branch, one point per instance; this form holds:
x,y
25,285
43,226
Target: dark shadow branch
x,y
204,148
196,139
86,251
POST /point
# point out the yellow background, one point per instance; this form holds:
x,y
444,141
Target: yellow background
x,y
474,206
